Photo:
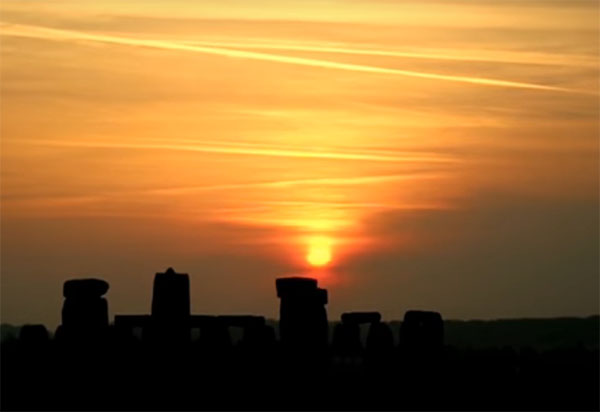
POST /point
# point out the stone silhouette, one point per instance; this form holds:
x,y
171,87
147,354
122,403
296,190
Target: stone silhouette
x,y
170,316
85,311
256,334
422,330
303,317
347,340
346,335
171,296
91,365
32,335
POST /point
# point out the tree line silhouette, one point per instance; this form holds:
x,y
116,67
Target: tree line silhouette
x,y
171,359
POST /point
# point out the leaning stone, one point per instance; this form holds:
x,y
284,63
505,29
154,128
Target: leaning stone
x,y
84,288
242,321
33,334
361,317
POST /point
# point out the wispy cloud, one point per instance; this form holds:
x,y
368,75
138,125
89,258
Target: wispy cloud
x,y
59,203
56,34
258,151
386,152
333,181
319,205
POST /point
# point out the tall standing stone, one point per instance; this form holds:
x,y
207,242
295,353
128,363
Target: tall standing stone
x,y
171,307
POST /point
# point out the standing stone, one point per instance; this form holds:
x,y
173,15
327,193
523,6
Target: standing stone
x,y
421,343
171,307
85,311
303,317
347,340
422,330
171,295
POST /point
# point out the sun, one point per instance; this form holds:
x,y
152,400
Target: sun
x,y
319,251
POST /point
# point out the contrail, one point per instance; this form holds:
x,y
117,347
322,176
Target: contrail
x,y
57,34
502,56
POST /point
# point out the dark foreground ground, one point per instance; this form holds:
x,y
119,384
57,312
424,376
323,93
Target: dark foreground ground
x,y
555,368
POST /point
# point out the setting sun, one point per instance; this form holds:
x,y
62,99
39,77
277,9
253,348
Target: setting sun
x,y
319,251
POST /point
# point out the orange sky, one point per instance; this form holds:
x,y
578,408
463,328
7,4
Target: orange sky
x,y
443,151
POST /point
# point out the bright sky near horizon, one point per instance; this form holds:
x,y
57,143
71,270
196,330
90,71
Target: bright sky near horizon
x,y
436,155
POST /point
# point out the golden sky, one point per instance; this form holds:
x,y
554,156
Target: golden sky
x,y
441,155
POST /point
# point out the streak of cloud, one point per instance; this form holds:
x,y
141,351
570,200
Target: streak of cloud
x,y
332,181
59,200
279,147
357,205
57,34
306,154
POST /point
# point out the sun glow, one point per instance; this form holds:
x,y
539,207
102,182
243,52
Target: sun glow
x,y
319,251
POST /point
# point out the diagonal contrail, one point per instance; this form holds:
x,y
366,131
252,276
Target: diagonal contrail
x,y
58,34
500,57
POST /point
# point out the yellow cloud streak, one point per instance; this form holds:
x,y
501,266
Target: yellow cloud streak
x,y
57,34
248,151
274,147
330,181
